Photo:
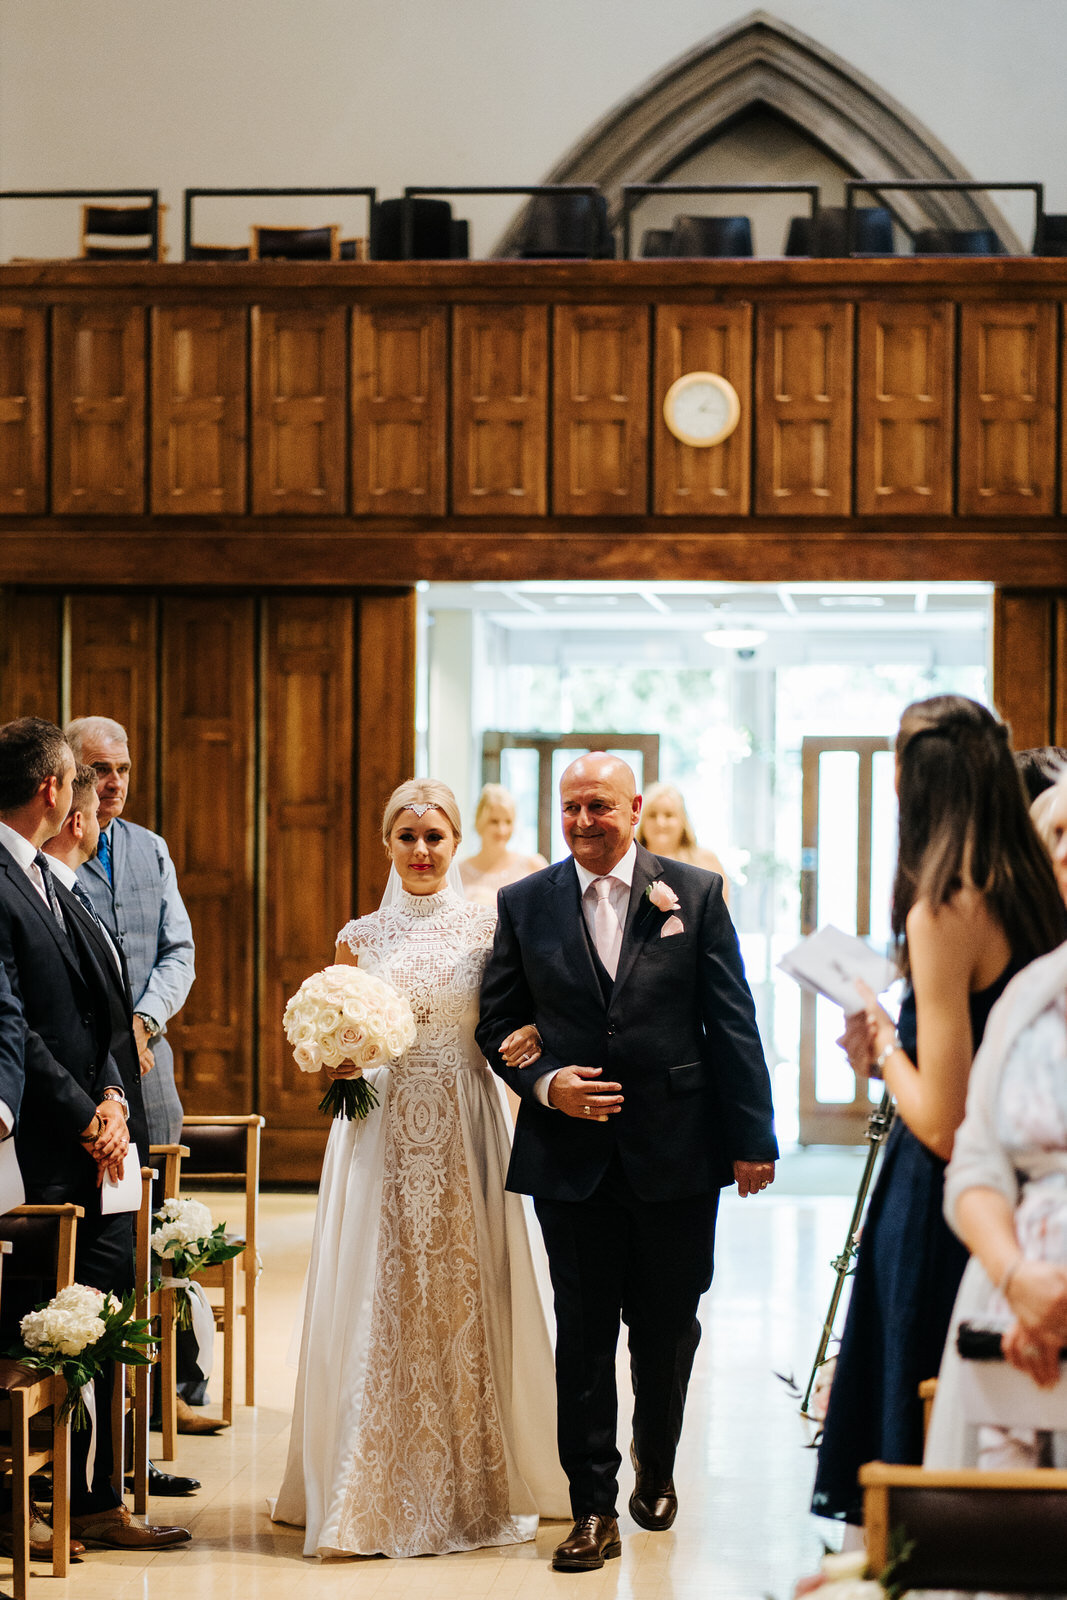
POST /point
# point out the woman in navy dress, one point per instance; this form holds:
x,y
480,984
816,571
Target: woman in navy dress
x,y
974,900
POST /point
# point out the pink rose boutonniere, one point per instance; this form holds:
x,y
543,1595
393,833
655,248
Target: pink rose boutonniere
x,y
662,896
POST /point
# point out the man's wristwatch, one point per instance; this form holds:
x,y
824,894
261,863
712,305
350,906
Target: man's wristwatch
x,y
117,1094
151,1026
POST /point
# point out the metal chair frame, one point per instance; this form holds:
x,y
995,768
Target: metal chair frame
x,y
876,186
192,195
414,191
633,193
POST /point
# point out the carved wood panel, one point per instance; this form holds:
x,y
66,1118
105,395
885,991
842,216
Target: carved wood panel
x,y
199,381
500,410
298,410
114,673
600,410
1025,668
385,733
309,701
713,481
399,410
31,655
98,404
23,485
904,408
804,409
1007,409
207,818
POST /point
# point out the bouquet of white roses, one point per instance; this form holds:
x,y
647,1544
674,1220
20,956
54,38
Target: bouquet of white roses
x,y
344,1014
184,1236
75,1333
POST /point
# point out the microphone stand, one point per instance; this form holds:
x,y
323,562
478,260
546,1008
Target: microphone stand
x,y
878,1125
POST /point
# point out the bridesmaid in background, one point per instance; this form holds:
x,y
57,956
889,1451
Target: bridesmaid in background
x,y
666,830
495,865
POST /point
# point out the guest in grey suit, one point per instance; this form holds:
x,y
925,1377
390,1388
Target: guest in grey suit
x,y
132,885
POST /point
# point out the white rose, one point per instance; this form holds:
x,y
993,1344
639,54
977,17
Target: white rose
x,y
307,1057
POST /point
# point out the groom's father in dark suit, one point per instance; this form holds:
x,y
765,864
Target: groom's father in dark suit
x,y
651,1094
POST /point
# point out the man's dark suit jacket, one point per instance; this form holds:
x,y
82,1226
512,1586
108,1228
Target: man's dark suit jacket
x,y
12,1030
676,1029
67,1039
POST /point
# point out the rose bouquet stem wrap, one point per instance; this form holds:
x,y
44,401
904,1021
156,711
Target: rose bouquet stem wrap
x,y
345,1016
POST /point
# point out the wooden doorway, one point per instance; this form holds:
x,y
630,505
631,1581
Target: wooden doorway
x,y
529,764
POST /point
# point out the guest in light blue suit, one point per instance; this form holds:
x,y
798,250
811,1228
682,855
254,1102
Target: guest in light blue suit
x,y
134,890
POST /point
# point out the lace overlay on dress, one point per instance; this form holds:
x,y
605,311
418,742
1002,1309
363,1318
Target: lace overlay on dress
x,y
429,1466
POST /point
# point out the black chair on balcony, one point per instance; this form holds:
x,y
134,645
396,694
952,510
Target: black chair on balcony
x,y
711,236
656,242
828,233
435,234
216,252
122,233
957,242
571,227
296,244
1054,235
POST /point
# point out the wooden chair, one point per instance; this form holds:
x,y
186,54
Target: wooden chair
x,y
126,230
1001,1531
165,1162
36,1234
225,1150
296,244
135,1406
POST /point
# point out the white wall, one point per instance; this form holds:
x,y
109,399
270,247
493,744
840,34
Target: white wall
x,y
106,93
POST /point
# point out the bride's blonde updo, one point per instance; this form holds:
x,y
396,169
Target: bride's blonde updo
x,y
421,792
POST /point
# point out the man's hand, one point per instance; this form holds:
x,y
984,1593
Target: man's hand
x,y
575,1091
107,1139
343,1069
752,1176
145,1060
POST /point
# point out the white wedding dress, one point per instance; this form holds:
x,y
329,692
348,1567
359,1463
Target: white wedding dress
x,y
424,1419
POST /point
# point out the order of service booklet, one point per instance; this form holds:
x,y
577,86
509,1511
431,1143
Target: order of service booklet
x,y
828,962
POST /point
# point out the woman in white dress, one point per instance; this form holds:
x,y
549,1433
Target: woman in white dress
x,y
424,1414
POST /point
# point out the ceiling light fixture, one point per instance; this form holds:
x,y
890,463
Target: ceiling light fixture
x,y
736,638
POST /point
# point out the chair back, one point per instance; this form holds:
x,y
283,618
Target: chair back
x,y
225,1151
656,242
566,226
165,1161
828,234
41,1261
1054,234
711,236
296,244
798,237
216,252
118,226
957,242
431,230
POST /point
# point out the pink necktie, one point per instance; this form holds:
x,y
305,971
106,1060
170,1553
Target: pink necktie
x,y
607,930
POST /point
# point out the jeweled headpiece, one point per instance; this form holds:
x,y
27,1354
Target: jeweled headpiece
x,y
420,811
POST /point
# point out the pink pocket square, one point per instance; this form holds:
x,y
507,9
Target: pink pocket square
x,y
671,926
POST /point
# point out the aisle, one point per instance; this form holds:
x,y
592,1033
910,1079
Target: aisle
x,y
743,1478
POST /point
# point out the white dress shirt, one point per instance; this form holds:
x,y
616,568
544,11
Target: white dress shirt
x,y
622,878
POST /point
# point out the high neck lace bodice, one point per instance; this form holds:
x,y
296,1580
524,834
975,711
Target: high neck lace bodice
x,y
425,905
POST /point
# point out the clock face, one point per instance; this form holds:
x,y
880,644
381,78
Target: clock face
x,y
701,408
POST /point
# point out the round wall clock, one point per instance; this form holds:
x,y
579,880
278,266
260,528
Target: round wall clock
x,y
701,408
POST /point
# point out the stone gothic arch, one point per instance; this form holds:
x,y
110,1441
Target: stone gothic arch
x,y
761,63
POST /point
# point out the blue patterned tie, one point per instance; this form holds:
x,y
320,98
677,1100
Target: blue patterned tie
x,y
79,894
40,861
103,854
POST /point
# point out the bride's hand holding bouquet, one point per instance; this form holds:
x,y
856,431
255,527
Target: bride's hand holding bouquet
x,y
344,1021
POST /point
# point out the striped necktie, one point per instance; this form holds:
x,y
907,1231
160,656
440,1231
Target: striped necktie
x,y
103,854
40,861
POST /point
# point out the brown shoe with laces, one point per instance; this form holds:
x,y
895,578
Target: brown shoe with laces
x,y
117,1530
592,1541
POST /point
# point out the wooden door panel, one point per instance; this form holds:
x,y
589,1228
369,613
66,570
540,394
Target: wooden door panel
x,y
309,703
500,410
385,730
98,405
298,411
399,404
199,436
23,381
208,812
904,409
31,655
1007,409
113,673
804,410
1024,637
600,410
712,481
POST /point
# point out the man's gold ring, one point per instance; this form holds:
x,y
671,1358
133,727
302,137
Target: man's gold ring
x,y
586,1110
763,1185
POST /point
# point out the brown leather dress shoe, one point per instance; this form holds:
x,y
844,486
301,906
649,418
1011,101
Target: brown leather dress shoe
x,y
191,1419
592,1541
40,1536
653,1504
117,1530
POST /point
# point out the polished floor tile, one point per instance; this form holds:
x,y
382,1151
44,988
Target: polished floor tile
x,y
744,1473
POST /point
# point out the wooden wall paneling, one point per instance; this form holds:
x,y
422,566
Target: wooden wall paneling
x,y
98,409
399,403
804,409
208,815
309,715
1007,407
385,730
1024,637
298,410
600,410
31,655
904,408
23,386
113,641
500,410
712,481
1059,718
199,399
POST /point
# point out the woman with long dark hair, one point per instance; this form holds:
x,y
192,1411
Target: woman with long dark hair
x,y
974,900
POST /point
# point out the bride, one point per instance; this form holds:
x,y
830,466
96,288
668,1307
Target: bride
x,y
425,1401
